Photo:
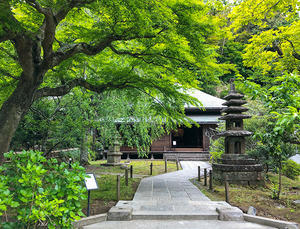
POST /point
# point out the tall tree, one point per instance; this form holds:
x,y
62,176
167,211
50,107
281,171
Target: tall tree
x,y
271,31
46,45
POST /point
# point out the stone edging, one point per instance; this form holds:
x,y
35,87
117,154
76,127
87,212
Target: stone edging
x,y
271,222
89,220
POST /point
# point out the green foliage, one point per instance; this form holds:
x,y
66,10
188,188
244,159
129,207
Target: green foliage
x,y
108,186
281,102
231,53
272,31
291,169
262,146
40,190
273,135
216,147
6,196
214,156
254,146
65,155
61,122
179,44
133,47
275,191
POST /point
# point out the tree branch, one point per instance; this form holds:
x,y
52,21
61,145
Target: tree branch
x,y
295,54
269,9
62,13
48,28
140,55
4,37
70,50
65,89
52,20
126,52
277,48
37,6
61,55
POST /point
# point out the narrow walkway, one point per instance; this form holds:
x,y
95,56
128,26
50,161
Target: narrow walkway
x,y
171,201
173,186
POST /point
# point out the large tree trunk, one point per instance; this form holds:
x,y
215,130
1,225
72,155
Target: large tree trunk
x,y
12,112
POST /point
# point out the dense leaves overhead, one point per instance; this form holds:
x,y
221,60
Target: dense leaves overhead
x,y
154,47
165,38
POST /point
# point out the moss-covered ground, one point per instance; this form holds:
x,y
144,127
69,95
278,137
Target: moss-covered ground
x,y
260,197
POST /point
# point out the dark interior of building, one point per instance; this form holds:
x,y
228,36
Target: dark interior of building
x,y
186,137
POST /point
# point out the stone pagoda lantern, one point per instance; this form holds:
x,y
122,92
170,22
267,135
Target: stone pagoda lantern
x,y
234,163
114,154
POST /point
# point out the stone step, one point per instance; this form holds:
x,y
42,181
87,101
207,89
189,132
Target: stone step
x,y
168,210
198,204
169,215
187,156
172,210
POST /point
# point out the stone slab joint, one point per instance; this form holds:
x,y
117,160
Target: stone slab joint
x,y
230,214
123,213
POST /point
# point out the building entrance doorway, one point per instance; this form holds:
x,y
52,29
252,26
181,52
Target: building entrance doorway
x,y
185,137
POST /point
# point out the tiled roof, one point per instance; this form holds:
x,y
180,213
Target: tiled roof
x,y
205,119
208,101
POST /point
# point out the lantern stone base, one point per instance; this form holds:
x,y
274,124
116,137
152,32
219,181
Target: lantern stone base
x,y
239,168
113,159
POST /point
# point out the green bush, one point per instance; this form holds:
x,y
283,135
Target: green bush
x,y
216,148
35,190
215,156
291,169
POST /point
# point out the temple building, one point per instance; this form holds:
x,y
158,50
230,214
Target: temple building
x,y
188,143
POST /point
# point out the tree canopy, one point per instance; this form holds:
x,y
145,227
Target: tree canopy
x,y
155,47
272,30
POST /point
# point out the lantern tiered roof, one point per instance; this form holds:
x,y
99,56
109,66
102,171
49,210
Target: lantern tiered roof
x,y
234,114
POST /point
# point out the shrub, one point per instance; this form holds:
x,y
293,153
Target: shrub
x,y
291,169
38,190
216,149
215,156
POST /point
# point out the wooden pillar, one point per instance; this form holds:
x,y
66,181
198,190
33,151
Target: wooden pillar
x,y
205,177
210,180
166,165
226,189
118,187
131,171
151,168
126,176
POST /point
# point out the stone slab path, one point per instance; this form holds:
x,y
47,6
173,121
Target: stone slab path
x,y
174,186
171,201
175,224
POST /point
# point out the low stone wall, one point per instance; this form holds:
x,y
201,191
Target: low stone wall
x,y
79,224
271,222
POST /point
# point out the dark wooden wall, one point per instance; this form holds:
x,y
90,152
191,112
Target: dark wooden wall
x,y
164,144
